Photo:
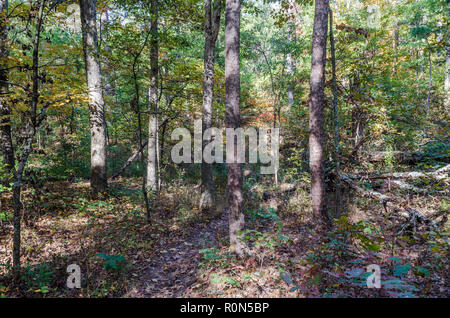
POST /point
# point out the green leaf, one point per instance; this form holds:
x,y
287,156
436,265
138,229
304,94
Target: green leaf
x,y
287,278
400,270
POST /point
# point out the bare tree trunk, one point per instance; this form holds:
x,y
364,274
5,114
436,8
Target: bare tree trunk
x,y
232,118
137,102
5,137
336,117
88,12
429,85
317,101
152,162
447,62
290,68
212,26
31,132
5,110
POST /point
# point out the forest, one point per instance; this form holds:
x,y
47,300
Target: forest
x,y
224,148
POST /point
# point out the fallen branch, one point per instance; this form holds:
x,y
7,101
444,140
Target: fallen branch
x,y
130,160
398,156
134,156
439,174
405,186
387,202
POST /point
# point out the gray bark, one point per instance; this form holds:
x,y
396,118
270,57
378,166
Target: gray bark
x,y
232,119
152,162
317,101
212,26
440,174
429,85
290,68
88,11
141,142
335,115
290,71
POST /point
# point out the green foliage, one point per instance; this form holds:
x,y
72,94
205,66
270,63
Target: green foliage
x,y
263,214
39,276
213,256
366,233
437,150
113,263
4,176
389,159
218,279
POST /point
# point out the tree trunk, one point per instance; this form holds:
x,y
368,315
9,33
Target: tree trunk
x,y
447,61
5,110
30,134
429,86
290,66
5,137
232,119
290,72
88,12
212,26
152,162
336,117
317,101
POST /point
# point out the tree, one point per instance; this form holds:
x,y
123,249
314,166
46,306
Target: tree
x,y
5,110
88,12
316,106
447,60
212,26
335,115
152,163
32,122
232,120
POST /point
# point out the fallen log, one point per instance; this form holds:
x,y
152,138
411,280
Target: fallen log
x,y
398,156
130,160
405,186
387,202
439,174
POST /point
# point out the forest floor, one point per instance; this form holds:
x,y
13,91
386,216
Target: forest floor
x,y
183,253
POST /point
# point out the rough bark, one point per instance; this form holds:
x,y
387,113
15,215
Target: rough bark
x,y
232,119
212,25
430,83
5,110
88,12
335,115
152,162
317,101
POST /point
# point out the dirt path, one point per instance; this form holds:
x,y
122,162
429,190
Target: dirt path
x,y
175,267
